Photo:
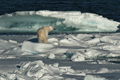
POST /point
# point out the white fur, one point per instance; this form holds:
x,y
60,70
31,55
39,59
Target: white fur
x,y
51,28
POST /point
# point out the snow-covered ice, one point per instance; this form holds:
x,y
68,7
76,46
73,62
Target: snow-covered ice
x,y
37,70
79,47
84,56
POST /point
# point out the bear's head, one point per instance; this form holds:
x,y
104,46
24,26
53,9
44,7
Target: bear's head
x,y
51,28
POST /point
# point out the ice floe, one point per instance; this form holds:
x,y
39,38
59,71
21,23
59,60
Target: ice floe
x,y
37,70
78,47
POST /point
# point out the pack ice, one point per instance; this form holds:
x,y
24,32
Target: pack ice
x,y
78,47
37,70
74,47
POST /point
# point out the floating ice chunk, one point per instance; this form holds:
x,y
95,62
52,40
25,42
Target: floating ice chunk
x,y
110,47
56,44
49,77
26,53
66,69
72,37
5,45
51,56
78,57
12,76
94,41
113,54
56,64
84,36
103,70
36,47
91,53
59,50
3,41
111,39
12,41
91,77
69,42
70,79
53,41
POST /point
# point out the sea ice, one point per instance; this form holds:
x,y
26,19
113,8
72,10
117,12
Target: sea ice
x,y
89,49
75,21
36,47
37,70
91,77
78,47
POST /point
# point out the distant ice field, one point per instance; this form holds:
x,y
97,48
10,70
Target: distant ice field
x,y
27,22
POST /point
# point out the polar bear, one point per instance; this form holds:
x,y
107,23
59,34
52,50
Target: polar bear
x,y
42,33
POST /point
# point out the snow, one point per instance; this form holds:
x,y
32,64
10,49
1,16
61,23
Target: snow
x,y
88,56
